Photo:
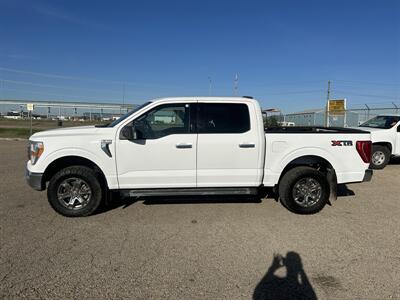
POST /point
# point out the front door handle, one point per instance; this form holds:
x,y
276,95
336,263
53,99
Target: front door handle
x,y
183,146
247,145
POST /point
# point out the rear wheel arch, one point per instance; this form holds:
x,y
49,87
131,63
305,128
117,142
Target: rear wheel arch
x,y
313,161
318,163
304,190
384,144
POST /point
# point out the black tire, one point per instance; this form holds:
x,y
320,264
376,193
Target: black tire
x,y
296,176
88,179
380,157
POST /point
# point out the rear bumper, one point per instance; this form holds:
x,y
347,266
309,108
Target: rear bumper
x,y
368,175
34,180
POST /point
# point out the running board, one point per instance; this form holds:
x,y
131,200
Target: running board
x,y
190,192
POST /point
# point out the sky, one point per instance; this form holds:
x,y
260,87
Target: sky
x,y
282,52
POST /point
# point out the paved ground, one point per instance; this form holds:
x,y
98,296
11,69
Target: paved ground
x,y
199,250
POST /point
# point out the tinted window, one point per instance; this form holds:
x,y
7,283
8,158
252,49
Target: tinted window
x,y
223,118
384,122
119,120
163,120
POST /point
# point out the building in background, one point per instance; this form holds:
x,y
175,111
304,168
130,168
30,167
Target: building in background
x,y
316,117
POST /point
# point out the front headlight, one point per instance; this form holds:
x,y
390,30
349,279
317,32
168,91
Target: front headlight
x,y
35,150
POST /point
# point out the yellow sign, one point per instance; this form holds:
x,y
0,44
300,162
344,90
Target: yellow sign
x,y
29,106
337,106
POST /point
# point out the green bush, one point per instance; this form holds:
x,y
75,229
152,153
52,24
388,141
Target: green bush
x,y
16,132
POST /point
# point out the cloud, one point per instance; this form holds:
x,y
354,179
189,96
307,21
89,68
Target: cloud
x,y
17,56
63,15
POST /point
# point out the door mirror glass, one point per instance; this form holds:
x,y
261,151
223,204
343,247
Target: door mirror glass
x,y
128,133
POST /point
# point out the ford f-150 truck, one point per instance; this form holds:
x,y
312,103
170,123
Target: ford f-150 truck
x,y
385,136
195,146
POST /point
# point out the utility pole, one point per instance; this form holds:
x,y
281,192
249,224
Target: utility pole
x,y
235,84
30,130
123,95
397,108
328,96
209,85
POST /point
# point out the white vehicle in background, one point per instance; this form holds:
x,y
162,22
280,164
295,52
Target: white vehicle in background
x,y
385,135
195,146
286,124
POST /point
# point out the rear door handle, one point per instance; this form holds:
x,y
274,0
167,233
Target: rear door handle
x,y
183,146
247,145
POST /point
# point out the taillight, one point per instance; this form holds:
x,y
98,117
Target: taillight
x,y
364,148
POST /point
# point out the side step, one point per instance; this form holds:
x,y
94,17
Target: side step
x,y
190,191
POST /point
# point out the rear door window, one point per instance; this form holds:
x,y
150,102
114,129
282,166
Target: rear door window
x,y
223,118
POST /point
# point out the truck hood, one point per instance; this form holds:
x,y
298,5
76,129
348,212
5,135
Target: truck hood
x,y
370,129
381,135
65,132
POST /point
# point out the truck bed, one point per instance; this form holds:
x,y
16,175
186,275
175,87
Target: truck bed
x,y
311,129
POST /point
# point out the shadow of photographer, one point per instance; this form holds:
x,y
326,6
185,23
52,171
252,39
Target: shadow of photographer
x,y
294,285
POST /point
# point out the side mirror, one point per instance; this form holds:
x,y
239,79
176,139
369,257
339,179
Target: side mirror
x,y
128,133
398,128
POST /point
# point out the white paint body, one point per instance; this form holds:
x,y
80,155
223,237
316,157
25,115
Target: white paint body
x,y
390,136
214,160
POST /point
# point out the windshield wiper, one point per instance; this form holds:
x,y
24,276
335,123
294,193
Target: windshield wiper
x,y
102,125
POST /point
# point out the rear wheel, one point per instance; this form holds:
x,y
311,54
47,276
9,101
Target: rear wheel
x,y
304,190
75,191
380,157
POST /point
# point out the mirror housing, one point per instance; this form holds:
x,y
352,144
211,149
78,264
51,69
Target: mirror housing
x,y
128,133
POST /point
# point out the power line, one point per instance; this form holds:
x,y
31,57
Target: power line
x,y
287,83
368,82
55,76
370,95
298,92
53,86
57,95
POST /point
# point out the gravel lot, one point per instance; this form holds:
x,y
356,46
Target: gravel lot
x,y
199,250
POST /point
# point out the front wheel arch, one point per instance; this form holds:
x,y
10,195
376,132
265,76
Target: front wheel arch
x,y
88,193
67,161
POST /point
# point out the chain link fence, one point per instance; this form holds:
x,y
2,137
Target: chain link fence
x,y
350,118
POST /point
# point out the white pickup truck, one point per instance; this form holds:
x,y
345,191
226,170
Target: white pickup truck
x,y
385,136
195,146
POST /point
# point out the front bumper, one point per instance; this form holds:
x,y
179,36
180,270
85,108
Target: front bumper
x,y
34,180
368,175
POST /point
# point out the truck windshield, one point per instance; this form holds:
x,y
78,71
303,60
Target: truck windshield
x,y
384,122
120,119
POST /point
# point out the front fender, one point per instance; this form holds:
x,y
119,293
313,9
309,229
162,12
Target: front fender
x,y
106,164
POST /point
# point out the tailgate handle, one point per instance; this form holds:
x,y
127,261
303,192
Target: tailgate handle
x,y
247,145
183,146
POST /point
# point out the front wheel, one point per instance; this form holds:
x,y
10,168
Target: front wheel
x,y
304,190
380,157
75,191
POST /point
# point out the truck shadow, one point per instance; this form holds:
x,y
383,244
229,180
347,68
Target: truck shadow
x,y
293,284
117,201
395,160
344,191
